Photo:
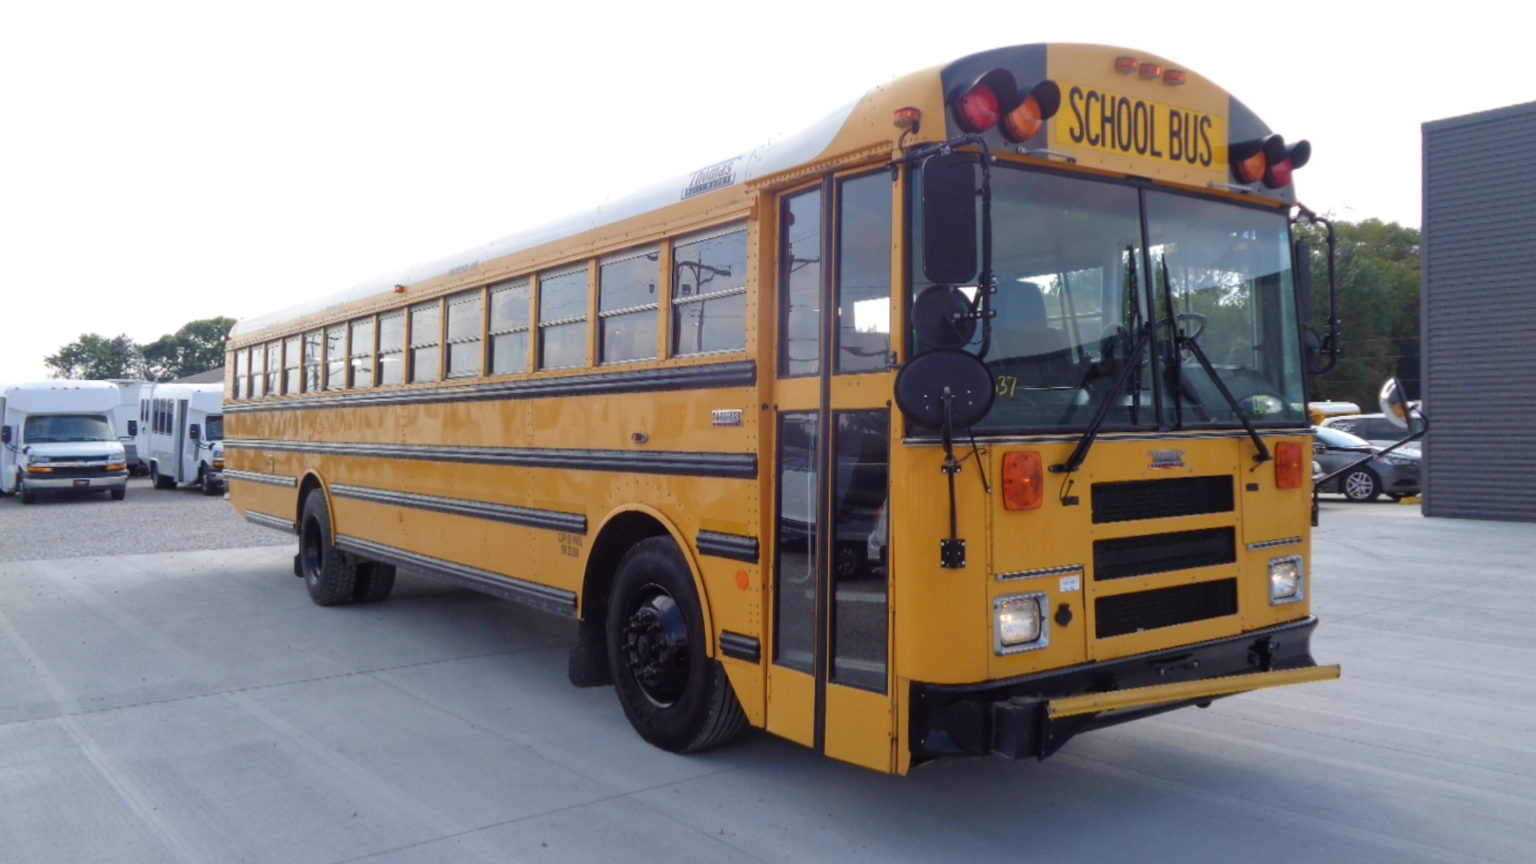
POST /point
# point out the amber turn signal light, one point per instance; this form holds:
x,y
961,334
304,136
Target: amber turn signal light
x,y
1288,469
1023,480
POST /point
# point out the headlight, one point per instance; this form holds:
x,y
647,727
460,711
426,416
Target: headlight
x,y
1018,623
1285,581
1394,459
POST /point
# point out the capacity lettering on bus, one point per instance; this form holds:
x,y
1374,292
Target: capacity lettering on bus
x,y
1135,127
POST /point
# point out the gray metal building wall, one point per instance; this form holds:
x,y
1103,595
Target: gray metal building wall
x,y
1479,315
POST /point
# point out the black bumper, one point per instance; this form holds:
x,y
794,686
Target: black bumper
x,y
1011,718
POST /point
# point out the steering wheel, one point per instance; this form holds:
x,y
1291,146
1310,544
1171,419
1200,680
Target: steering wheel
x,y
1196,317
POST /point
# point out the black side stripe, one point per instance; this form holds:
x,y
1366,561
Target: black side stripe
x,y
739,647
552,520
738,466
268,479
713,377
732,546
269,521
506,587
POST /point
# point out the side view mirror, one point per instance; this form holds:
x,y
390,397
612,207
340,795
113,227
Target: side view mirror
x,y
195,432
1395,407
1394,403
949,218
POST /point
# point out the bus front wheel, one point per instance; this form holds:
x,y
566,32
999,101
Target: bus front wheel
x,y
327,574
674,695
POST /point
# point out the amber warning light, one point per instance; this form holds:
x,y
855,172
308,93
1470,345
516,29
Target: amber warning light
x,y
1267,159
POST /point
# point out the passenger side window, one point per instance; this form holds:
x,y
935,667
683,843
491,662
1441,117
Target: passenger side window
x,y
709,293
464,326
392,349
291,365
563,319
627,306
335,357
510,326
362,353
426,333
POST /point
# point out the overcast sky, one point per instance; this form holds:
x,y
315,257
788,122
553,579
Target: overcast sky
x,y
165,162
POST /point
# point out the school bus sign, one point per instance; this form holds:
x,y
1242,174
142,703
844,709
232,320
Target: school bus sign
x,y
1114,123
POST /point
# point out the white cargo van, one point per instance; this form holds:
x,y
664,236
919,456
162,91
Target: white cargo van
x,y
184,441
58,436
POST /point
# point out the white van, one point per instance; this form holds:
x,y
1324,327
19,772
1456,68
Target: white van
x,y
182,437
58,436
126,419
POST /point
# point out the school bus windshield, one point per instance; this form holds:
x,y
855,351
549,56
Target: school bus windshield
x,y
1075,279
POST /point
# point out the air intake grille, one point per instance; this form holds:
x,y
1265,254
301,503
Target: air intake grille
x,y
1159,553
1165,607
1160,499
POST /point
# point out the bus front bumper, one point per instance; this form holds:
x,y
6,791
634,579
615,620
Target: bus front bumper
x,y
67,483
1037,714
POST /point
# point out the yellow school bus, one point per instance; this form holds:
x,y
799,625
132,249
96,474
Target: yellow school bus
x,y
968,419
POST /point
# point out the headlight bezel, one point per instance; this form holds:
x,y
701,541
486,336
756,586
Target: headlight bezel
x,y
1008,603
1297,580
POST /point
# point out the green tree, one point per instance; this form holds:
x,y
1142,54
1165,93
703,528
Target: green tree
x,y
94,357
197,347
1378,289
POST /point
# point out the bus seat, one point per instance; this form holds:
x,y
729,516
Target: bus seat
x,y
1024,345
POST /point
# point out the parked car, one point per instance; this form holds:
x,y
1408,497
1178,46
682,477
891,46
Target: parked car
x,y
1396,474
1375,428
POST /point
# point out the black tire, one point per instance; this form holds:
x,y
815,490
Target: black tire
x,y
328,575
205,480
1360,484
674,695
27,495
374,582
119,492
160,480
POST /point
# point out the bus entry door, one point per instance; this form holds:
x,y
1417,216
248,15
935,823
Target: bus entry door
x,y
829,674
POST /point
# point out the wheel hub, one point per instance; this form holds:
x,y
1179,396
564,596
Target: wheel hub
x,y
656,649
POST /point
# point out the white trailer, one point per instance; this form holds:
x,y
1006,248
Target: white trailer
x,y
58,436
183,435
128,422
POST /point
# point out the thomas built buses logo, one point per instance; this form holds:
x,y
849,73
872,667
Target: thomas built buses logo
x,y
1167,459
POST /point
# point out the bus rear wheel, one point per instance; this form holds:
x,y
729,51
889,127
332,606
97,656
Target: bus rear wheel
x,y
329,576
675,696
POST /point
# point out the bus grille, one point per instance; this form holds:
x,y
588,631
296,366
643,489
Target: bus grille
x,y
1160,499
1159,553
1165,607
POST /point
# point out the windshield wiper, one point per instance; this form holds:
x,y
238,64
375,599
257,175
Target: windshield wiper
x,y
1132,360
1181,342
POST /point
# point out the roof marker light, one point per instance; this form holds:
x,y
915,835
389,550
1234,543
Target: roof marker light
x,y
1126,65
907,119
1175,77
1150,71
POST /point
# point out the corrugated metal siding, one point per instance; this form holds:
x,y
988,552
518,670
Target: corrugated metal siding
x,y
1479,315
